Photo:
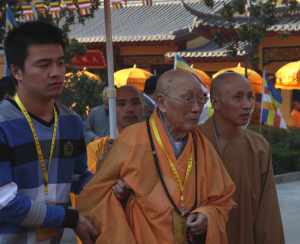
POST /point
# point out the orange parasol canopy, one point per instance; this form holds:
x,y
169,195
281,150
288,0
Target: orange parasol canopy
x,y
132,76
288,76
203,76
255,79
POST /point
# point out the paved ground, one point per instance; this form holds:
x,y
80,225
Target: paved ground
x,y
289,198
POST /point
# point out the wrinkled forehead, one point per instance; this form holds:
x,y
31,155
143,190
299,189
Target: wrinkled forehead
x,y
187,83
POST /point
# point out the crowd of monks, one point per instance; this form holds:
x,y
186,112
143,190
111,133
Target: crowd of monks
x,y
168,180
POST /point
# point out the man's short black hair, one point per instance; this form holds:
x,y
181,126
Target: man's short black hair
x,y
19,39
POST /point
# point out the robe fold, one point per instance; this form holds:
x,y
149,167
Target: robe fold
x,y
95,152
247,158
148,216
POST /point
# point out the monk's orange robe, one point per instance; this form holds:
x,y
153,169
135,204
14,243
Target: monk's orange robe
x,y
247,158
148,218
95,151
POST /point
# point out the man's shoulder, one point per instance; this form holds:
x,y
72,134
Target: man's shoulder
x,y
65,111
69,120
256,138
258,144
133,133
8,111
98,110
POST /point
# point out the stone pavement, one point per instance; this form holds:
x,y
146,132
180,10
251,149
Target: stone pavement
x,y
289,199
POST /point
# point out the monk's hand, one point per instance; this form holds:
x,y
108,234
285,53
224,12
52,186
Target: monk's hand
x,y
197,223
121,191
86,231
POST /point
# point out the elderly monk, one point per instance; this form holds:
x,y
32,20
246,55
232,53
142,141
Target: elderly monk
x,y
179,184
247,158
129,111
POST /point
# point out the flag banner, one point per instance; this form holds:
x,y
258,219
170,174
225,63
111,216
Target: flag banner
x,y
180,63
270,106
54,9
84,7
147,2
40,6
69,4
35,14
117,4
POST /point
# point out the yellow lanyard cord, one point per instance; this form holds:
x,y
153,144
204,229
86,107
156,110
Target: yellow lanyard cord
x,y
179,181
38,147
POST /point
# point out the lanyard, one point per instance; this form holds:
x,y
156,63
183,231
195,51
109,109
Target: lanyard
x,y
179,181
37,144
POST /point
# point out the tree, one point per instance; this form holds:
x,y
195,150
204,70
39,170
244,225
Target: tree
x,y
82,92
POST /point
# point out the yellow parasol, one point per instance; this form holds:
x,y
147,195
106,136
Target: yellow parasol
x,y
255,79
132,76
288,76
203,76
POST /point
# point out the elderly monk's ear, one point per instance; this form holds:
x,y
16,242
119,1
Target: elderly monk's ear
x,y
161,101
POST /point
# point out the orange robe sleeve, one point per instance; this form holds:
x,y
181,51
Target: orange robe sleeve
x,y
100,205
268,224
95,150
219,194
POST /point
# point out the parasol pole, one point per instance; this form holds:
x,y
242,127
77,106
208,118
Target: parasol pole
x,y
110,72
249,45
262,100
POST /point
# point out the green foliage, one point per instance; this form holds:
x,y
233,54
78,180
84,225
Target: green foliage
x,y
262,16
285,148
81,93
209,3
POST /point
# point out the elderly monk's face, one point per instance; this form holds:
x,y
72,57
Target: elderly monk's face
x,y
129,107
235,101
183,102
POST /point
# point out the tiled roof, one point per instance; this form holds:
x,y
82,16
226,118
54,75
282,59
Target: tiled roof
x,y
210,50
141,23
287,21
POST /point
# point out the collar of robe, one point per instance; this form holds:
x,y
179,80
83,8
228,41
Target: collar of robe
x,y
159,172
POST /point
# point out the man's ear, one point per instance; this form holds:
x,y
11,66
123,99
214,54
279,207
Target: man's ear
x,y
161,102
16,72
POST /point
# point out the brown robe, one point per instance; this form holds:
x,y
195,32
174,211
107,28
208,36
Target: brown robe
x,y
149,214
247,158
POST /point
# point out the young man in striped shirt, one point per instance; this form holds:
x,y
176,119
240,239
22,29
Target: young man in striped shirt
x,y
42,149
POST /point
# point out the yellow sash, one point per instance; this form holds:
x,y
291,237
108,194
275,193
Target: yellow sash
x,y
42,233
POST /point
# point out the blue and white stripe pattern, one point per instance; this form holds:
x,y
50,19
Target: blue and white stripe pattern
x,y
24,206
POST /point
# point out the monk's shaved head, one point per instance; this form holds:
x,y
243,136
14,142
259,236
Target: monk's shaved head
x,y
170,80
180,99
218,83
